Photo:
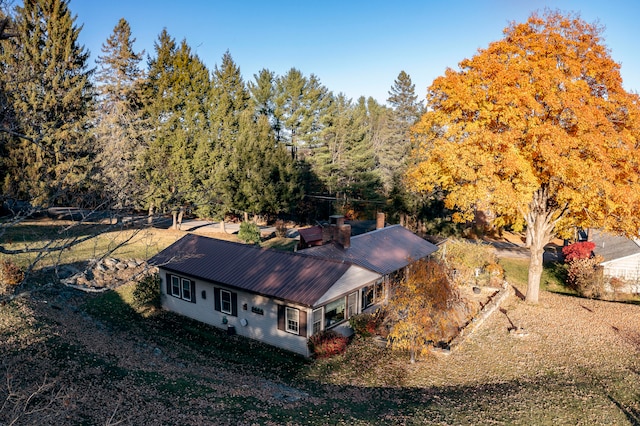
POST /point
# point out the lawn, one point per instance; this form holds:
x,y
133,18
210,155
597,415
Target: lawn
x,y
72,358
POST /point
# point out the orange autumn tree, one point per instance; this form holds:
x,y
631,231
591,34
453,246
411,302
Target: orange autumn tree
x,y
424,308
536,129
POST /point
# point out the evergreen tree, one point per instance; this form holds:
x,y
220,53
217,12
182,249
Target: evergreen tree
x,y
176,95
344,160
119,120
223,174
394,152
46,80
300,103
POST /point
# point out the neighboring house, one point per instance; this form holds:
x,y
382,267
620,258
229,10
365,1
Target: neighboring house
x,y
278,297
310,237
621,258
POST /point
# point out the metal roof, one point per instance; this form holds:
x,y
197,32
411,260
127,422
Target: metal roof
x,y
284,275
612,247
313,233
384,250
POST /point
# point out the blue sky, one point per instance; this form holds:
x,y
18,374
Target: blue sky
x,y
354,47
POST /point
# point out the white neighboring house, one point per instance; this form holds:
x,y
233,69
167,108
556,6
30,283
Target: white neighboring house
x,y
621,259
281,298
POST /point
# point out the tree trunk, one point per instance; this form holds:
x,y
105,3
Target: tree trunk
x,y
222,229
541,220
535,274
150,215
174,214
180,216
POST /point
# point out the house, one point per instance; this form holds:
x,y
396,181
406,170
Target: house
x,y
621,258
280,298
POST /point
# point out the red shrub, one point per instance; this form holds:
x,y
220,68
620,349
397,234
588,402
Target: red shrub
x,y
327,343
575,251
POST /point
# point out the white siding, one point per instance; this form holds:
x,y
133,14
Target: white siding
x,y
259,327
626,268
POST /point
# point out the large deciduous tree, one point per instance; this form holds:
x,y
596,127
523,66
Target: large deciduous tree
x,y
538,130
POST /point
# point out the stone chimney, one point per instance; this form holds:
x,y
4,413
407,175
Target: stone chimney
x,y
344,236
380,220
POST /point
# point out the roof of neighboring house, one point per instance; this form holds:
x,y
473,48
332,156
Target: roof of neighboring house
x,y
384,250
289,276
612,247
313,233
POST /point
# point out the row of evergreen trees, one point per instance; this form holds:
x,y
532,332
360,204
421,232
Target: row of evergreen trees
x,y
175,135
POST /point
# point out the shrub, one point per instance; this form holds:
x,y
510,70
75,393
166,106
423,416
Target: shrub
x,y
147,291
249,232
364,325
580,250
327,343
10,274
281,229
585,276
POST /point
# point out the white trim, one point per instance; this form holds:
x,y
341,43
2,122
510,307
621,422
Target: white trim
x,y
230,311
296,313
320,320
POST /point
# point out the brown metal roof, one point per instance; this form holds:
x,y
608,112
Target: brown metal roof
x,y
311,234
383,251
284,275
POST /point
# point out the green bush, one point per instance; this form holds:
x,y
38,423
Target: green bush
x,y
249,232
327,343
147,291
364,324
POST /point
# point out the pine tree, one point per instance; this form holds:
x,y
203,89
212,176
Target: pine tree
x,y
176,95
394,152
300,103
223,174
47,84
119,117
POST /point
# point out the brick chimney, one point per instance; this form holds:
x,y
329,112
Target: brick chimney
x,y
380,220
344,236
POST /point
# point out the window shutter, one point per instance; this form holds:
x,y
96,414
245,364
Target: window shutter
x,y
302,322
281,318
234,304
216,299
168,279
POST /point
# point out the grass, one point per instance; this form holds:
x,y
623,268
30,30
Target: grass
x,y
516,271
157,365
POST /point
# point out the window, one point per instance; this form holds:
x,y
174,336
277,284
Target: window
x,y
352,300
372,294
334,312
175,286
181,288
317,320
292,320
186,289
225,301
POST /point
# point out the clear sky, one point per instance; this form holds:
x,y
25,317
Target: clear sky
x,y
357,47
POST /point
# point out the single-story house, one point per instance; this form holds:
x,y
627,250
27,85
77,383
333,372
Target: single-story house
x,y
281,298
621,258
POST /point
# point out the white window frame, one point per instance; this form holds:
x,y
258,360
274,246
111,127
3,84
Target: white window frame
x,y
317,320
352,304
187,289
222,302
175,286
292,325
